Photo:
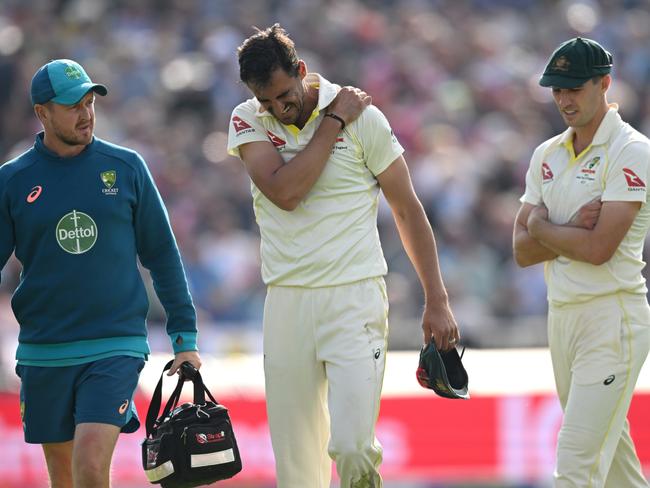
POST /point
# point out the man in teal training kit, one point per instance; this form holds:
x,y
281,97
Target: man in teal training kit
x,y
78,212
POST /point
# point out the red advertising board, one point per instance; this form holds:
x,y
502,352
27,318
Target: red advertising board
x,y
507,438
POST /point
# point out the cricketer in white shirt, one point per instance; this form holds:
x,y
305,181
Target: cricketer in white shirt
x,y
585,215
325,315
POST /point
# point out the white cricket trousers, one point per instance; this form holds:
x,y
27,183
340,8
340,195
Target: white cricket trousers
x,y
597,349
324,357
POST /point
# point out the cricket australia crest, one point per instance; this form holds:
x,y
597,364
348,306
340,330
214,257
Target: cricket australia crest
x,y
109,178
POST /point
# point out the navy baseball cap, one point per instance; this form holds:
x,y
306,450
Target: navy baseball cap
x,y
575,62
63,81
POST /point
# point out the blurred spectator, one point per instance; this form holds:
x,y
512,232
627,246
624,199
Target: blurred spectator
x,y
453,77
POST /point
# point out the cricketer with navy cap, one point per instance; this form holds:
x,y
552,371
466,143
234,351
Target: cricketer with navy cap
x,y
78,212
585,215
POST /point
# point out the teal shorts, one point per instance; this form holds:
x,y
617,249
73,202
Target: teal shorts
x,y
53,400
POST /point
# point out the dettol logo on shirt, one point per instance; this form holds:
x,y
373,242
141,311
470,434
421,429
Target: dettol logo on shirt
x,y
76,232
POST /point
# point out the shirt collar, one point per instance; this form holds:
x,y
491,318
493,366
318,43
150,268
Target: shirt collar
x,y
40,146
605,130
327,91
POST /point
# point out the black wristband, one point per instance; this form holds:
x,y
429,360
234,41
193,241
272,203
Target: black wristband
x,y
336,117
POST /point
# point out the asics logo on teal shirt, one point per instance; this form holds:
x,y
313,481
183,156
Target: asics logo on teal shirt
x,y
76,232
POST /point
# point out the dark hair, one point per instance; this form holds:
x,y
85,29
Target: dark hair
x,y
262,53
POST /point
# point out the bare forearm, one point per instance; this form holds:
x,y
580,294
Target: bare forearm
x,y
528,250
571,242
294,179
420,246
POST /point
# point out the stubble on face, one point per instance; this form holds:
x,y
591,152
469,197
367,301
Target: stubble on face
x,y
578,107
80,135
283,97
292,110
68,128
73,125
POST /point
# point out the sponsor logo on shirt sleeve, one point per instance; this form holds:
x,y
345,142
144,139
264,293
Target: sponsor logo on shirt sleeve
x,y
634,183
278,142
547,174
241,126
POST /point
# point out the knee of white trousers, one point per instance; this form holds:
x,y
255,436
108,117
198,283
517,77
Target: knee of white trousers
x,y
570,477
563,481
357,465
579,458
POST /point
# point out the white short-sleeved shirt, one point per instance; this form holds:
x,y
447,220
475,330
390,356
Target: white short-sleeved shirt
x,y
331,238
615,167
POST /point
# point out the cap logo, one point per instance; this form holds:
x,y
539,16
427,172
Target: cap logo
x,y
441,385
72,72
561,64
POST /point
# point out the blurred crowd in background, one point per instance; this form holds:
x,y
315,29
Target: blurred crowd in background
x,y
457,79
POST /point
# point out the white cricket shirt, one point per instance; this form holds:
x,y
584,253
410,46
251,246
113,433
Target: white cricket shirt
x,y
613,168
331,238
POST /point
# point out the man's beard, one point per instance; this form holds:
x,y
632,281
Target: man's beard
x,y
73,139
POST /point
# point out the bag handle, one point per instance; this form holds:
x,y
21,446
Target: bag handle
x,y
186,371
